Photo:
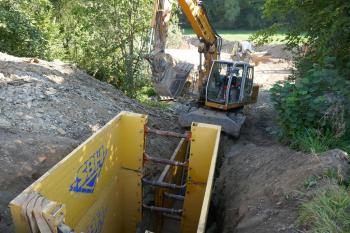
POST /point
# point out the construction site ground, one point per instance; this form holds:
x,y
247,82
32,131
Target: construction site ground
x,y
49,108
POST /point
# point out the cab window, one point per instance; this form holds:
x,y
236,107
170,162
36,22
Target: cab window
x,y
218,82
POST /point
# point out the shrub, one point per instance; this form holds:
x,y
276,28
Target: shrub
x,y
27,28
313,108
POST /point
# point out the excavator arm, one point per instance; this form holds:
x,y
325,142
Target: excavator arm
x,y
197,17
163,66
211,41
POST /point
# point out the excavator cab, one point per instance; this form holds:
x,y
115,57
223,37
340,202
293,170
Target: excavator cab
x,y
229,85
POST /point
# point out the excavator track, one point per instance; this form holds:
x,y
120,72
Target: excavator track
x,y
231,123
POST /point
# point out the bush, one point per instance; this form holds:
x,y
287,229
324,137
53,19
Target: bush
x,y
313,108
27,28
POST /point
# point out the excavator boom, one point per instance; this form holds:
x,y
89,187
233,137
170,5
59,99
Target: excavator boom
x,y
164,68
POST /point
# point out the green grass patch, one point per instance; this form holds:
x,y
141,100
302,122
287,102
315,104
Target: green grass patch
x,y
144,96
237,35
327,212
313,141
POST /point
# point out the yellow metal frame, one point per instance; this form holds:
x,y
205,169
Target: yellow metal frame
x,y
202,162
97,187
98,184
170,174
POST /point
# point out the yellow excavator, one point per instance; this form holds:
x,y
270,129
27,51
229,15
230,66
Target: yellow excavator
x,y
224,87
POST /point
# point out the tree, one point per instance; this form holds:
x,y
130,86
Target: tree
x,y
223,12
314,105
109,39
26,28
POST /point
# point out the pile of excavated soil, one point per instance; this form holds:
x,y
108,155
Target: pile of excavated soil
x,y
49,108
261,187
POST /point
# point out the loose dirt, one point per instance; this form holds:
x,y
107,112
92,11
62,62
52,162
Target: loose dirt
x,y
49,108
262,183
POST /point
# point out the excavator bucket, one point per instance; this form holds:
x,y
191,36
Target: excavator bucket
x,y
173,79
230,123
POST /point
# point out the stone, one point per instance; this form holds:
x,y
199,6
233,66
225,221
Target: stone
x,y
61,131
42,159
5,124
20,114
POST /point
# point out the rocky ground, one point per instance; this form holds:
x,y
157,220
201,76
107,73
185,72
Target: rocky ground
x,y
49,108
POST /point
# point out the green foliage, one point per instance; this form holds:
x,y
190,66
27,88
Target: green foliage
x,y
313,106
323,25
234,14
314,111
223,12
314,141
148,96
329,211
27,28
174,39
250,16
108,38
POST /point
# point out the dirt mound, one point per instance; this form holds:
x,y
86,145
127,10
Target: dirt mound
x,y
49,108
278,51
261,187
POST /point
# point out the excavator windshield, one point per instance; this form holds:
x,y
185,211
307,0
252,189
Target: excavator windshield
x,y
217,83
224,82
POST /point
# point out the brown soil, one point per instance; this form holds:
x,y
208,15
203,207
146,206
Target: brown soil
x,y
49,108
261,183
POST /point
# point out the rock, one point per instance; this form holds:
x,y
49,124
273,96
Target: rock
x,y
20,114
61,131
42,159
5,124
251,222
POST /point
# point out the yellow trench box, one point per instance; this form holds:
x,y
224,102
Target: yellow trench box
x,y
98,187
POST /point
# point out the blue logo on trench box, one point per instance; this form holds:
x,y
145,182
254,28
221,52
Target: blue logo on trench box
x,y
87,175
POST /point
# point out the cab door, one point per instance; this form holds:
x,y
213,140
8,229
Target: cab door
x,y
247,84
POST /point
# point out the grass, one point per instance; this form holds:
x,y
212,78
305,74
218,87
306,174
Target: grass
x,y
327,212
236,35
314,142
144,96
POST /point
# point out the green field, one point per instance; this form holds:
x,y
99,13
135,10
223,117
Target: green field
x,y
236,35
